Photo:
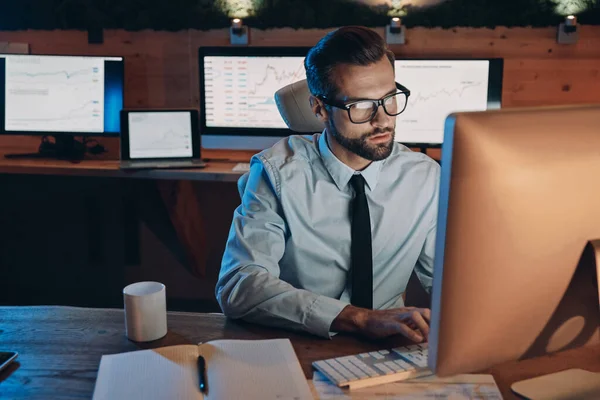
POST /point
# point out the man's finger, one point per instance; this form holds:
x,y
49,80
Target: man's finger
x,y
426,313
409,333
422,325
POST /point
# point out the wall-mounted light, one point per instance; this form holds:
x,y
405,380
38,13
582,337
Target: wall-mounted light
x,y
567,31
14,48
238,32
395,32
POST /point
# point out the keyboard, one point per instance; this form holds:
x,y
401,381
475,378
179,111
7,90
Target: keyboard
x,y
376,367
241,167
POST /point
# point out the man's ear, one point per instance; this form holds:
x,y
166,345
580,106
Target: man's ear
x,y
318,108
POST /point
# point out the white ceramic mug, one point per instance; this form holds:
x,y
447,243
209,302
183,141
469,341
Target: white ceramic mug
x,y
145,311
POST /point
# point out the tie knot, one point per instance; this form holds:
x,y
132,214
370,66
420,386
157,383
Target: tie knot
x,y
358,183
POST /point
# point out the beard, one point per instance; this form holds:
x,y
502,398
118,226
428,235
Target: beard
x,y
361,147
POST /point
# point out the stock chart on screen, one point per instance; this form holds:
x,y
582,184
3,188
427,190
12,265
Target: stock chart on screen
x,y
239,91
438,88
160,134
64,97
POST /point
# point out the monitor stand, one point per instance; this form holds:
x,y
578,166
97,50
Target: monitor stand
x,y
572,383
582,295
64,147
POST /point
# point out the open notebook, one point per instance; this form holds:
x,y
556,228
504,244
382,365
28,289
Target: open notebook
x,y
235,369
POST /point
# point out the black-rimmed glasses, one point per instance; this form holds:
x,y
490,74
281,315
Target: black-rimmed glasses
x,y
362,111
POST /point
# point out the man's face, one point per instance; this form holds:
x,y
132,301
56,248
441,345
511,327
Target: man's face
x,y
371,140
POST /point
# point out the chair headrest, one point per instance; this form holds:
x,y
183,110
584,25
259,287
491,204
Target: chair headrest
x,y
294,107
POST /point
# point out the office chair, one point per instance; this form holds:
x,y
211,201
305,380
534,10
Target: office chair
x,y
294,107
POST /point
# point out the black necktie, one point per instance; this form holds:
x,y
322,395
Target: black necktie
x,y
361,252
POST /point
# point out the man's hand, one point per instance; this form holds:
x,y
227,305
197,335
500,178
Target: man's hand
x,y
408,321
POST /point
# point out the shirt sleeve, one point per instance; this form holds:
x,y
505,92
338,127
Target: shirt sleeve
x,y
424,267
249,286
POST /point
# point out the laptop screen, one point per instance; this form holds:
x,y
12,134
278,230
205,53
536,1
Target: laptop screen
x,y
160,134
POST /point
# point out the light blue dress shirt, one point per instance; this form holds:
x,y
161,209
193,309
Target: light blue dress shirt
x,y
287,259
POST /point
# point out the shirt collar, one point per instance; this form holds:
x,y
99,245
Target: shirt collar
x,y
341,173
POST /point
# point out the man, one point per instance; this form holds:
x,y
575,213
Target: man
x,y
330,229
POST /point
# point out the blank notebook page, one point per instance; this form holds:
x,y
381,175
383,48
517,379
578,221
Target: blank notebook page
x,y
254,369
165,373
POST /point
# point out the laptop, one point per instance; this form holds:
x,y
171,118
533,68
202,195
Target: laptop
x,y
164,138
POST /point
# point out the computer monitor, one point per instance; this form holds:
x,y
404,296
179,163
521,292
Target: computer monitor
x,y
237,88
62,96
515,273
440,87
237,84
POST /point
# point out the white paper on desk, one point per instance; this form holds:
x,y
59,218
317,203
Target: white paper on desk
x,y
429,387
254,369
236,369
165,373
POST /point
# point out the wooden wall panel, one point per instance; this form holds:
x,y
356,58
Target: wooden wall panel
x,y
500,42
535,82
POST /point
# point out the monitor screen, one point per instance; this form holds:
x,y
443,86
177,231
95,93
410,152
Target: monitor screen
x,y
44,94
441,87
160,134
238,85
245,86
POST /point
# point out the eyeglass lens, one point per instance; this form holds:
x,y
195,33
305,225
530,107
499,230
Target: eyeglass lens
x,y
364,111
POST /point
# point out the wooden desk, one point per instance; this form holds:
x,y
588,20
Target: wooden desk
x,y
219,164
214,171
60,348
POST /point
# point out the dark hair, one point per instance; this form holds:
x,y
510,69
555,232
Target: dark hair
x,y
354,45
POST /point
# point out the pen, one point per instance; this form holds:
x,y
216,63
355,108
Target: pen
x,y
202,374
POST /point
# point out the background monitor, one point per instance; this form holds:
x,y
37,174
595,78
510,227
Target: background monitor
x,y
515,273
55,95
441,87
238,111
237,88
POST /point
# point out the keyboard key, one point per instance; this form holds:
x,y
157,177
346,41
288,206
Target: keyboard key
x,y
342,370
335,376
376,355
330,372
418,358
400,351
383,368
324,365
365,368
405,350
393,366
352,368
404,365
